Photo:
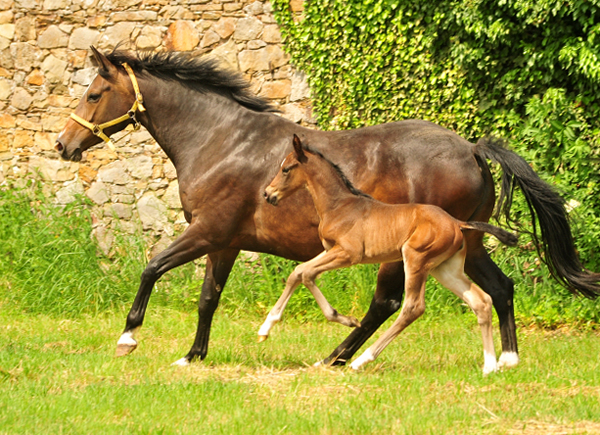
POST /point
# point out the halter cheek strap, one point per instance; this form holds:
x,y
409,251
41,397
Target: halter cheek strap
x,y
138,104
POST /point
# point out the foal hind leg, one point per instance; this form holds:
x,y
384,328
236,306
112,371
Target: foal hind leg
x,y
482,270
412,309
451,275
386,301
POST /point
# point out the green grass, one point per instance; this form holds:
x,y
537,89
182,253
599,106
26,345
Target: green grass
x,y
60,376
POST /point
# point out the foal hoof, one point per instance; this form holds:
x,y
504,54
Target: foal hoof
x,y
125,349
262,338
354,322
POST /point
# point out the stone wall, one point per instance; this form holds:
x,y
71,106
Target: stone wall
x,y
45,67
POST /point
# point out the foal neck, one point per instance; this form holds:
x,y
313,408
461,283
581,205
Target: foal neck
x,y
328,187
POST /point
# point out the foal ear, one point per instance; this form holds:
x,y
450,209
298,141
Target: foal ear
x,y
299,150
105,67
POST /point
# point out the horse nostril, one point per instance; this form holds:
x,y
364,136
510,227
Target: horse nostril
x,y
59,147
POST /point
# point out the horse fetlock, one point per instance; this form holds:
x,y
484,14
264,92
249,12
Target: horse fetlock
x,y
183,362
365,358
489,365
508,360
126,343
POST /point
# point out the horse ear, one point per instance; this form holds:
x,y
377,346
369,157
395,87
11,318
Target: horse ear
x,y
299,150
105,66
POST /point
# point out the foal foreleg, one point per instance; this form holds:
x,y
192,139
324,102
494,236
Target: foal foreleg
x,y
412,308
276,312
336,258
451,275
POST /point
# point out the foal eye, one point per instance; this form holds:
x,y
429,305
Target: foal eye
x,y
285,170
93,98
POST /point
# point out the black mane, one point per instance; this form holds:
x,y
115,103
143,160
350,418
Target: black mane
x,y
195,72
340,173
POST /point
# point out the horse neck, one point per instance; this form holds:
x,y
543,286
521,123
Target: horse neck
x,y
184,122
328,190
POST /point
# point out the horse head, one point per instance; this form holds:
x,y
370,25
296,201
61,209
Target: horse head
x,y
288,179
108,106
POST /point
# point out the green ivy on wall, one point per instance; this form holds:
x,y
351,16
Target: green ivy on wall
x,y
525,70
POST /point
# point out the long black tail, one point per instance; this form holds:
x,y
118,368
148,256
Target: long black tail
x,y
556,241
504,236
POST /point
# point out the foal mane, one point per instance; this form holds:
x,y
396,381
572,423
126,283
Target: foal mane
x,y
339,172
195,72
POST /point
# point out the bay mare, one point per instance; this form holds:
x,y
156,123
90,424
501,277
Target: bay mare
x,y
227,144
354,229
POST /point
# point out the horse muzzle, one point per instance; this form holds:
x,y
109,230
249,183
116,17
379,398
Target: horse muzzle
x,y
271,196
75,156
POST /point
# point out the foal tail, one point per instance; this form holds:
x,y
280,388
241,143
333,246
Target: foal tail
x,y
556,240
504,236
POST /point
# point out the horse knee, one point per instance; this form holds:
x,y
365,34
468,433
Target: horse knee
x,y
151,272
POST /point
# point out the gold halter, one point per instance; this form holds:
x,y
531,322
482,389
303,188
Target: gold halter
x,y
98,129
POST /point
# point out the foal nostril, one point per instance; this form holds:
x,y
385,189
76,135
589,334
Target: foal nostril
x,y
59,147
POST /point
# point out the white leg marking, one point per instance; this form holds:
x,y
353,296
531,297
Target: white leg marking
x,y
183,362
269,323
365,358
489,364
127,338
508,360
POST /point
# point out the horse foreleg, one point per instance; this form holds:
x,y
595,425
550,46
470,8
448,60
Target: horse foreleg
x,y
336,258
187,247
386,301
412,309
451,275
292,283
480,267
218,267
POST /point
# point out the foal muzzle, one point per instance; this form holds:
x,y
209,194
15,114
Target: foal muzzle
x,y
271,196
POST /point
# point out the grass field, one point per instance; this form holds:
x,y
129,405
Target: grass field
x,y
60,377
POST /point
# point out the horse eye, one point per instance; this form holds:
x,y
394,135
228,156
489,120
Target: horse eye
x,y
93,98
285,170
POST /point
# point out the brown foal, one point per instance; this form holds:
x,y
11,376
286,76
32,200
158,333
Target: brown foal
x,y
355,228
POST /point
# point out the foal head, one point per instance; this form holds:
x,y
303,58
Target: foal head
x,y
290,177
109,96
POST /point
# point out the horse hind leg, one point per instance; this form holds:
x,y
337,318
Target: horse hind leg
x,y
451,275
480,267
412,308
386,301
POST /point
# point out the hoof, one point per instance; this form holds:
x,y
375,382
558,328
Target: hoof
x,y
183,362
354,322
125,349
262,338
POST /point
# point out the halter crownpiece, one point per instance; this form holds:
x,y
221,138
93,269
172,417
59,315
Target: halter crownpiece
x,y
138,104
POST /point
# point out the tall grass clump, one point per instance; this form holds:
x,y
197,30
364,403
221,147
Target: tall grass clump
x,y
49,263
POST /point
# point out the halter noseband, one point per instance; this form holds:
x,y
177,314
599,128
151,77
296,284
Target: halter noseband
x,y
98,129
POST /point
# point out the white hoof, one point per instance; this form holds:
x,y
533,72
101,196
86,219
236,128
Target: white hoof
x,y
318,364
183,362
508,360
